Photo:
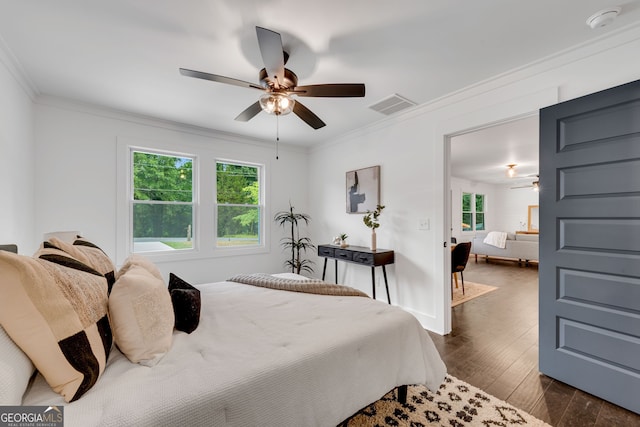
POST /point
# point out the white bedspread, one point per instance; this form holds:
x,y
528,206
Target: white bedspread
x,y
262,357
497,239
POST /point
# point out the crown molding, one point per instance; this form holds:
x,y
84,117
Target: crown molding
x,y
607,41
112,113
14,67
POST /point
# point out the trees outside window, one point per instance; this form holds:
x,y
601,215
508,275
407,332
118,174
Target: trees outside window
x,y
473,207
162,203
238,204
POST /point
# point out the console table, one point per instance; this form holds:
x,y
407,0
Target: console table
x,y
359,255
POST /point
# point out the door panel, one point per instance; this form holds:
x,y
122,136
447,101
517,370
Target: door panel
x,y
590,244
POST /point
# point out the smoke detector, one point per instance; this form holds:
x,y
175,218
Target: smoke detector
x,y
603,17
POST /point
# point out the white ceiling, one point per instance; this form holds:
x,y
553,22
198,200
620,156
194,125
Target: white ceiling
x,y
483,155
125,54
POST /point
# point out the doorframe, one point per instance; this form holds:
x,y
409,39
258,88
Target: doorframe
x,y
491,115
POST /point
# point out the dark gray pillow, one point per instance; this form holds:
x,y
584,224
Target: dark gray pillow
x,y
186,304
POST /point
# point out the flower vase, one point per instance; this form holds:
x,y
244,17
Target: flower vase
x,y
373,239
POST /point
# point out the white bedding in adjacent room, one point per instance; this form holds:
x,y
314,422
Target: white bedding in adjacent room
x,y
262,357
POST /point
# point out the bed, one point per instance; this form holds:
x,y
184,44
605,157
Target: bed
x,y
261,357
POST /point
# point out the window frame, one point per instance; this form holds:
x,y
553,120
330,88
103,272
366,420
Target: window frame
x,y
204,233
482,212
261,204
473,212
133,202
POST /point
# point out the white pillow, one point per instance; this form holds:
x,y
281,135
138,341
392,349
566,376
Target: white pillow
x,y
141,315
15,371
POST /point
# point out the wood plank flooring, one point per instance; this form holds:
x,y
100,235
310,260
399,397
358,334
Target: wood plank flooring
x,y
494,346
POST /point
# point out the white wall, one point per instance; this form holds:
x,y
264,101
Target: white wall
x,y
76,180
512,205
412,150
17,154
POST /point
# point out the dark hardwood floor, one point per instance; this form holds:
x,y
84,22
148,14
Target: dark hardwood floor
x,y
494,346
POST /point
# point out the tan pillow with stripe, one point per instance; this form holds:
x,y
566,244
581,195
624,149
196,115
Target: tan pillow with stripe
x,y
141,313
55,309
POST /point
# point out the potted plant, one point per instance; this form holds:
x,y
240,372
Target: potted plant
x,y
343,240
294,242
371,220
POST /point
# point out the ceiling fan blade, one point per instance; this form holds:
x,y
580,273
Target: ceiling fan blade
x,y
522,186
308,116
249,113
219,79
335,90
270,44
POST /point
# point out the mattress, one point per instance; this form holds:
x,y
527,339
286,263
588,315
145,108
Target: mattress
x,y
262,357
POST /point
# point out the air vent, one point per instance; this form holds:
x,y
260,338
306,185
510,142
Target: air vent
x,y
392,104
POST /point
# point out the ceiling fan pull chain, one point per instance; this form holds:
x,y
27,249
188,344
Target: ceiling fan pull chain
x,y
277,134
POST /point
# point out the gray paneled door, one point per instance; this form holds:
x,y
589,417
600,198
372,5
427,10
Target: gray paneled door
x,y
590,244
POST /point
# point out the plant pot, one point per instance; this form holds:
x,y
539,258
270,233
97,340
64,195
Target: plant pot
x,y
343,244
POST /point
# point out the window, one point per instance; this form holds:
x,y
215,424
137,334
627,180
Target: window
x,y
479,219
162,208
238,202
473,212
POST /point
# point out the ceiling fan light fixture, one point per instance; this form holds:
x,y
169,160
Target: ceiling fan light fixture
x,y
536,186
276,103
511,171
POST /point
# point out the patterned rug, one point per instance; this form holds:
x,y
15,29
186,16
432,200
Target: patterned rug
x,y
455,404
471,290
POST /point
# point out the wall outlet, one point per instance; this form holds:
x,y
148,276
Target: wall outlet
x,y
423,224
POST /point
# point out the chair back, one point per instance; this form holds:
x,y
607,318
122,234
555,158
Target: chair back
x,y
460,256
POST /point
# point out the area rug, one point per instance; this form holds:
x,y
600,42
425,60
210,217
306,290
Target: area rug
x,y
455,404
471,290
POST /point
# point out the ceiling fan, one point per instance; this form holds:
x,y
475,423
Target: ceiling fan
x,y
535,184
280,83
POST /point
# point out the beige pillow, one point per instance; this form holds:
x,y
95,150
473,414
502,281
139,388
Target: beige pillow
x,y
55,310
141,261
141,315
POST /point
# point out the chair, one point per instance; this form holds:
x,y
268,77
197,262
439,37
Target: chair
x,y
459,258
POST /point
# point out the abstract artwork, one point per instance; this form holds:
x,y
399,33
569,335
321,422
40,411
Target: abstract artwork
x,y
363,189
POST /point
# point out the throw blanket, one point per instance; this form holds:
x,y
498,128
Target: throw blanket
x,y
497,239
310,286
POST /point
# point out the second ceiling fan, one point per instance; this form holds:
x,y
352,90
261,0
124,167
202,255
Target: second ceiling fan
x,y
279,84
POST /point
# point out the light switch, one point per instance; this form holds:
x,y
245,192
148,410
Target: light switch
x,y
423,224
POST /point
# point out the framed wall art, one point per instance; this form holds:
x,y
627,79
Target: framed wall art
x,y
363,189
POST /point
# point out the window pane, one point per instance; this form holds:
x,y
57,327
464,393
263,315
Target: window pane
x,y
237,184
479,202
162,178
466,202
162,227
238,225
479,221
466,222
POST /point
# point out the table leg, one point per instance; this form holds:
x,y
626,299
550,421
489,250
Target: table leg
x,y
324,269
336,271
373,281
386,285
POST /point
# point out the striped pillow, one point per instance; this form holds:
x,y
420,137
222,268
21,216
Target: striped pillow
x,y
87,253
55,308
